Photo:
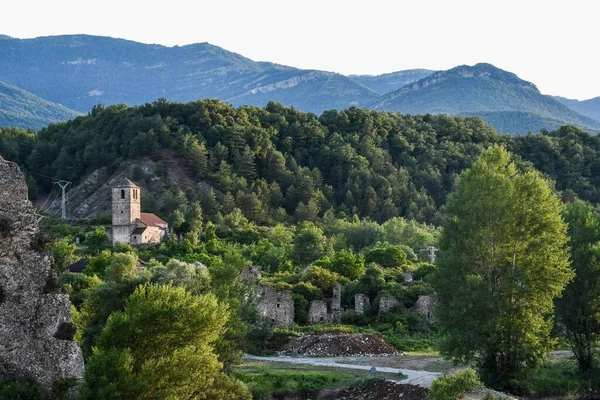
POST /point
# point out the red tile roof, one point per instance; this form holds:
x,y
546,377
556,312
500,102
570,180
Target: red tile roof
x,y
150,219
139,231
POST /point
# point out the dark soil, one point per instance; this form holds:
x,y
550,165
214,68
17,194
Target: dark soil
x,y
376,389
339,344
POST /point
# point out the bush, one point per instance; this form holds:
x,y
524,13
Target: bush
x,y
21,389
454,386
264,340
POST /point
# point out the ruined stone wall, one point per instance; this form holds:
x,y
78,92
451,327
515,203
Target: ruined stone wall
x,y
34,318
425,308
362,303
387,303
336,305
317,312
276,307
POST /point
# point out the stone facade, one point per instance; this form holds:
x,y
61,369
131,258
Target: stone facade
x,y
387,303
129,224
362,303
276,307
36,329
425,308
408,276
317,312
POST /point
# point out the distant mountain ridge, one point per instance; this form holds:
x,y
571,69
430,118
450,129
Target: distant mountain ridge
x,y
95,70
589,108
80,71
386,83
22,109
489,92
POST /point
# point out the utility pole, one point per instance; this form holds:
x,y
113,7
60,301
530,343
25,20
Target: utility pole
x,y
431,252
63,185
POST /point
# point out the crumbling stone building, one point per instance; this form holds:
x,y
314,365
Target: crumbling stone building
x,y
425,308
35,320
277,307
320,311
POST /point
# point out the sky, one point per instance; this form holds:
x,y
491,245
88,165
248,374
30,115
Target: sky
x,y
550,43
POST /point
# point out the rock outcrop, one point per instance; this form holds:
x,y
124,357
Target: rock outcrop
x,y
35,321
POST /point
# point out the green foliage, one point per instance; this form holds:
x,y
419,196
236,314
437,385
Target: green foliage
x,y
387,256
454,386
21,389
346,263
503,260
322,278
578,309
97,240
63,253
161,346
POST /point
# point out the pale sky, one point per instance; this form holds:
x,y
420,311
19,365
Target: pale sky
x,y
553,44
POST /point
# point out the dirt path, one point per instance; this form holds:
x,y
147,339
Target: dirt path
x,y
413,377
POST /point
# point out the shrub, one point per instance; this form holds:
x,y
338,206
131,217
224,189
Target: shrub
x,y
454,386
21,389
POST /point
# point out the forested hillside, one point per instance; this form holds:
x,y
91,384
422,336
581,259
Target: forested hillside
x,y
81,71
278,164
19,108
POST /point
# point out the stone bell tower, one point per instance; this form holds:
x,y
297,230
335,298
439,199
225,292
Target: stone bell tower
x,y
125,210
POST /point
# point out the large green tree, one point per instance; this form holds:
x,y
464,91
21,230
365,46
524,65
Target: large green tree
x,y
578,309
503,260
162,347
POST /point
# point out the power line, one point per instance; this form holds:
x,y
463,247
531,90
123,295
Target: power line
x,y
48,198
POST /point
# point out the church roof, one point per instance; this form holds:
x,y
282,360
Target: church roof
x,y
150,219
124,182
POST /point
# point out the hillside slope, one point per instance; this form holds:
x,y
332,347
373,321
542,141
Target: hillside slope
x,y
589,108
487,91
81,71
386,83
22,109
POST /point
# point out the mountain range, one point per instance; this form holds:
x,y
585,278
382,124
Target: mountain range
x,y
80,71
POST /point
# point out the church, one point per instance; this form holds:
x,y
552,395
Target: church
x,y
129,224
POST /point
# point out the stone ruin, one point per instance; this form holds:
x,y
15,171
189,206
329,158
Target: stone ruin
x,y
273,306
251,272
319,311
35,320
362,304
387,303
277,307
425,308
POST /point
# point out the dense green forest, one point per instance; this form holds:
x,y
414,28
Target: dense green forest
x,y
278,164
351,198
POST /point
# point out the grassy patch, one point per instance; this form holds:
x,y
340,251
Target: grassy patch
x,y
556,378
265,380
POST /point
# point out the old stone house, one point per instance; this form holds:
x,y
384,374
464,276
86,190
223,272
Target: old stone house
x,y
129,224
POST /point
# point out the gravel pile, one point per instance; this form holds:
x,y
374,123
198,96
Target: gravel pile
x,y
337,345
376,389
